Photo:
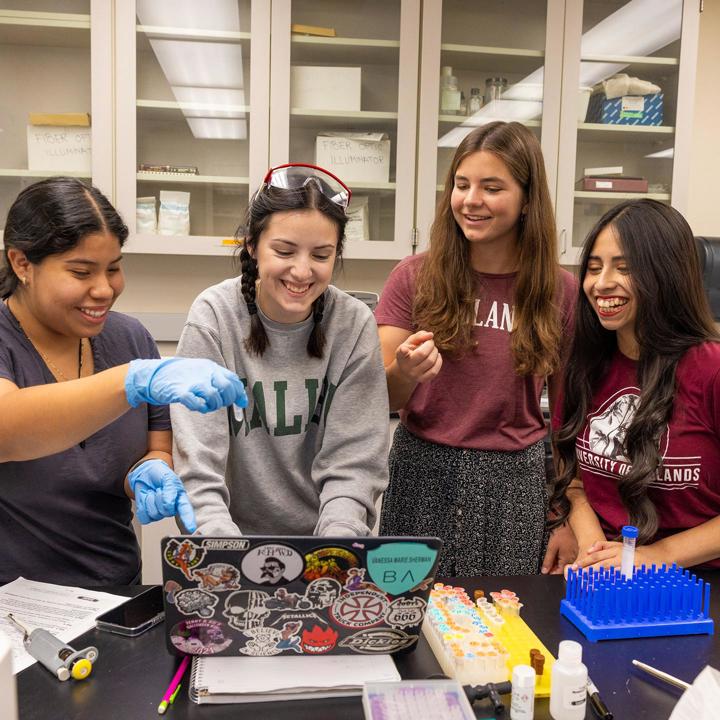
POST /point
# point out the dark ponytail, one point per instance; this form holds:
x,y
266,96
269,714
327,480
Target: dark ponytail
x,y
263,205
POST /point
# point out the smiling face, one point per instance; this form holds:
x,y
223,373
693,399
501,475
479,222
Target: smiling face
x,y
295,255
608,287
71,293
487,201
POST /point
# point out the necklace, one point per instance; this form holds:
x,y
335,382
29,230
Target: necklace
x,y
59,374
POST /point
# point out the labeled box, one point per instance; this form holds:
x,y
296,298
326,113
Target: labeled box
x,y
626,110
62,148
355,157
614,184
318,87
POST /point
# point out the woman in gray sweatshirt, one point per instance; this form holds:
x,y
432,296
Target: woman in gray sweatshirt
x,y
309,453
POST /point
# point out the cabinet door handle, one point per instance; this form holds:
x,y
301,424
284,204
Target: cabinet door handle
x,y
561,240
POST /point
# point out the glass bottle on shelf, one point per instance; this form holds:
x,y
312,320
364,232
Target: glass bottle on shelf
x,y
462,110
494,88
449,92
475,102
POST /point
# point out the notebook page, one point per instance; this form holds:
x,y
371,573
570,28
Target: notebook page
x,y
267,674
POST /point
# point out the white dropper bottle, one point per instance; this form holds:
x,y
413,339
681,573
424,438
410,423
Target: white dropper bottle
x,y
568,690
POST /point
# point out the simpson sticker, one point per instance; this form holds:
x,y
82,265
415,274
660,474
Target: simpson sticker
x,y
184,556
195,602
319,640
234,544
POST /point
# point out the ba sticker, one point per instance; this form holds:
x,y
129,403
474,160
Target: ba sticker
x,y
185,556
399,566
272,564
218,577
360,609
196,602
378,641
199,637
245,609
405,612
319,641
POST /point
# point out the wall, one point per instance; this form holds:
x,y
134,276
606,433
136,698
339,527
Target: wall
x,y
702,212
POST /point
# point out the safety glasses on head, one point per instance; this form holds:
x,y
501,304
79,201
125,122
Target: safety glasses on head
x,y
297,175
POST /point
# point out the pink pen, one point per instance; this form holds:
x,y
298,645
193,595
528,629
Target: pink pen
x,y
172,687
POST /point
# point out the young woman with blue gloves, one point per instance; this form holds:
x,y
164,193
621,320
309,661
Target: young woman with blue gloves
x,y
84,425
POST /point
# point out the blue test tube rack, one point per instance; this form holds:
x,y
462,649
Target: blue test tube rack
x,y
656,601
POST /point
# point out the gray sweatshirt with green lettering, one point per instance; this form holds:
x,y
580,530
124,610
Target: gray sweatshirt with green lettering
x,y
309,453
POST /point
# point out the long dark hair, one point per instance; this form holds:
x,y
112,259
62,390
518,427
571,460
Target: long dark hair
x,y
445,296
51,217
672,316
263,205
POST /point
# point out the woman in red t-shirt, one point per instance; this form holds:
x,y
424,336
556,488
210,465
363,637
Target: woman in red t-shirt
x,y
470,331
640,443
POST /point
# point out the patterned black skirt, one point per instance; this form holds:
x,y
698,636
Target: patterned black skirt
x,y
488,507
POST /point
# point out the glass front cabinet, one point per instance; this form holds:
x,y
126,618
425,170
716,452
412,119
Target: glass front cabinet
x,y
191,102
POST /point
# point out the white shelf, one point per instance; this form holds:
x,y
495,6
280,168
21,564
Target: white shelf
x,y
189,179
15,172
192,33
20,27
343,51
179,245
630,59
623,133
467,119
484,57
370,187
599,196
147,106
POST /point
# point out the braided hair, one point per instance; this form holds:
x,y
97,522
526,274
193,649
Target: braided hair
x,y
262,206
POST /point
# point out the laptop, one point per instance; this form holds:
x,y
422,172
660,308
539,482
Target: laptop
x,y
270,595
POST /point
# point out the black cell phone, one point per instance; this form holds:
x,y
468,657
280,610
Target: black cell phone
x,y
135,616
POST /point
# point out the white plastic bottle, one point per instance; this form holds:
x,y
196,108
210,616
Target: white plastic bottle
x,y
568,689
522,704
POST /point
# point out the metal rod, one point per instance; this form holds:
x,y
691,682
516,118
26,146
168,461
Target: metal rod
x,y
672,680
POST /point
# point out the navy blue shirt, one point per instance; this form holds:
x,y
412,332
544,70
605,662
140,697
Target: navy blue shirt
x,y
65,518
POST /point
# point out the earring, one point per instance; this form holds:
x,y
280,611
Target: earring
x,y
24,280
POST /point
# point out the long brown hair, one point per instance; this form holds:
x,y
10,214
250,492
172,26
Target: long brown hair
x,y
672,316
445,296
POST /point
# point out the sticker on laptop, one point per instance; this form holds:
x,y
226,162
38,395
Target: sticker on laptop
x,y
360,609
245,609
184,555
267,641
319,640
323,592
284,600
199,637
194,601
332,562
218,577
378,641
396,567
405,612
272,564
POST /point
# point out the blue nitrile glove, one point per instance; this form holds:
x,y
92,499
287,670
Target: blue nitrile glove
x,y
159,493
198,384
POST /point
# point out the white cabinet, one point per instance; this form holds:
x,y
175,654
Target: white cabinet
x,y
180,84
54,58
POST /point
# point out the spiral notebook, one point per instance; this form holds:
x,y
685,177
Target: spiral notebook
x,y
272,679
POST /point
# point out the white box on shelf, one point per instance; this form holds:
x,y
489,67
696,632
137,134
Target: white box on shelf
x,y
59,148
317,87
354,157
358,216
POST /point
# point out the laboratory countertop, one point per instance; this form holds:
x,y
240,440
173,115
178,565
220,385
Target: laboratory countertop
x,y
131,674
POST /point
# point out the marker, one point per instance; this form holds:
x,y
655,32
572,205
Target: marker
x,y
598,705
670,679
173,687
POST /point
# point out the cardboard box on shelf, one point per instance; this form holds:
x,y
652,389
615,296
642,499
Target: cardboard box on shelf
x,y
64,148
614,184
60,119
626,110
354,157
317,87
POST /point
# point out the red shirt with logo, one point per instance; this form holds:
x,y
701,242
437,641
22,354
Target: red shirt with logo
x,y
686,489
476,401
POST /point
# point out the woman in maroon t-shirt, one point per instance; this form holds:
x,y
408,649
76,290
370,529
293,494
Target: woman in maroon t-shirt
x,y
470,331
640,443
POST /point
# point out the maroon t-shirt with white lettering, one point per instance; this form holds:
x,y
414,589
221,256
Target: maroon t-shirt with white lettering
x,y
686,490
477,400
